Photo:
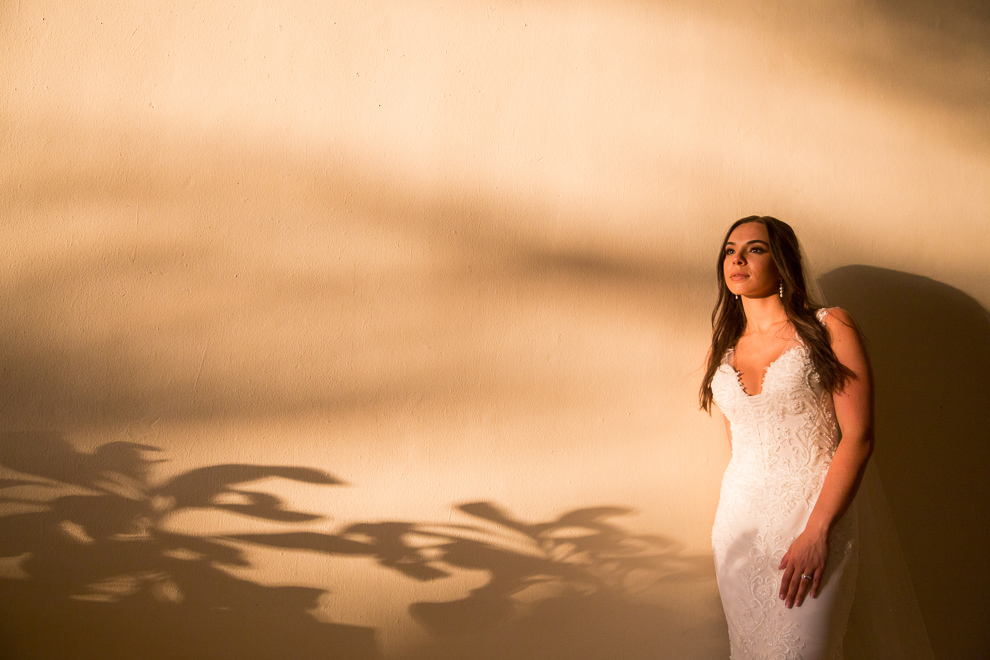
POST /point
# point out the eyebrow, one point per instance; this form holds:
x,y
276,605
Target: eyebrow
x,y
755,240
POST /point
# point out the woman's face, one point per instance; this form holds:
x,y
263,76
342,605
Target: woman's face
x,y
747,264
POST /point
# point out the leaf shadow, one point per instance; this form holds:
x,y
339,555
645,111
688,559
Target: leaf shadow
x,y
99,563
576,586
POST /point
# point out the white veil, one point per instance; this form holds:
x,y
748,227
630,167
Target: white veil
x,y
886,622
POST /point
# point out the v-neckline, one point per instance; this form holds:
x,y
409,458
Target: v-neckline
x,y
766,370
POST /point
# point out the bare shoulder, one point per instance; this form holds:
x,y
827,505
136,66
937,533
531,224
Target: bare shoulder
x,y
847,342
838,320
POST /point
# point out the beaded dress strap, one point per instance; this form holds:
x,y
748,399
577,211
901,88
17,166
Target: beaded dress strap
x,y
820,315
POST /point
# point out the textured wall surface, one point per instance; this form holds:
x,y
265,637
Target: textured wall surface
x,y
374,329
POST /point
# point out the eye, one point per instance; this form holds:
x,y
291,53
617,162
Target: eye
x,y
756,250
729,251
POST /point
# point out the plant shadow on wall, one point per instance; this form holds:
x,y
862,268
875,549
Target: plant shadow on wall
x,y
90,538
98,565
930,348
576,587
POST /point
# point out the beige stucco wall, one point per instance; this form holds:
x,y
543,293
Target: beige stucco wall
x,y
447,253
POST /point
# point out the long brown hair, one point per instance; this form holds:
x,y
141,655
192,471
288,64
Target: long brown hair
x,y
729,319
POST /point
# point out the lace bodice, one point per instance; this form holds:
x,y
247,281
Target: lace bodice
x,y
789,428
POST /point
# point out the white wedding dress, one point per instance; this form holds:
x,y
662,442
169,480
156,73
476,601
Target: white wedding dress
x,y
783,440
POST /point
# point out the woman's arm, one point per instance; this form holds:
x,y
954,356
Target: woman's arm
x,y
854,412
728,430
728,427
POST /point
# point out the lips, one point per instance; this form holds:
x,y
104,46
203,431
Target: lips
x,y
735,277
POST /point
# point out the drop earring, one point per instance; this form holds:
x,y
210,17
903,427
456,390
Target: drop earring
x,y
782,288
737,296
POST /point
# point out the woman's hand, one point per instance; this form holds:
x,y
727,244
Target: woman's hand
x,y
806,556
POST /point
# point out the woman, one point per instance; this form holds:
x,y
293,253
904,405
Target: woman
x,y
791,380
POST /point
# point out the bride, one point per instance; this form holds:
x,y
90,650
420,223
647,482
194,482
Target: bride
x,y
791,380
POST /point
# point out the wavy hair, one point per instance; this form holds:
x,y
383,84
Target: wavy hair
x,y
729,319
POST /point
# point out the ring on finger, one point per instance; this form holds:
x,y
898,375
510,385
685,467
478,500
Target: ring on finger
x,y
805,576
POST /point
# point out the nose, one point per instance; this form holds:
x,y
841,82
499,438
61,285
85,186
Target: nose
x,y
737,258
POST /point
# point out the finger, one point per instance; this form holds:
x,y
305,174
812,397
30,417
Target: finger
x,y
785,582
804,585
817,582
783,560
793,589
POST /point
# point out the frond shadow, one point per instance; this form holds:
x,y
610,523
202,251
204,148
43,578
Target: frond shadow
x,y
90,536
577,586
97,560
